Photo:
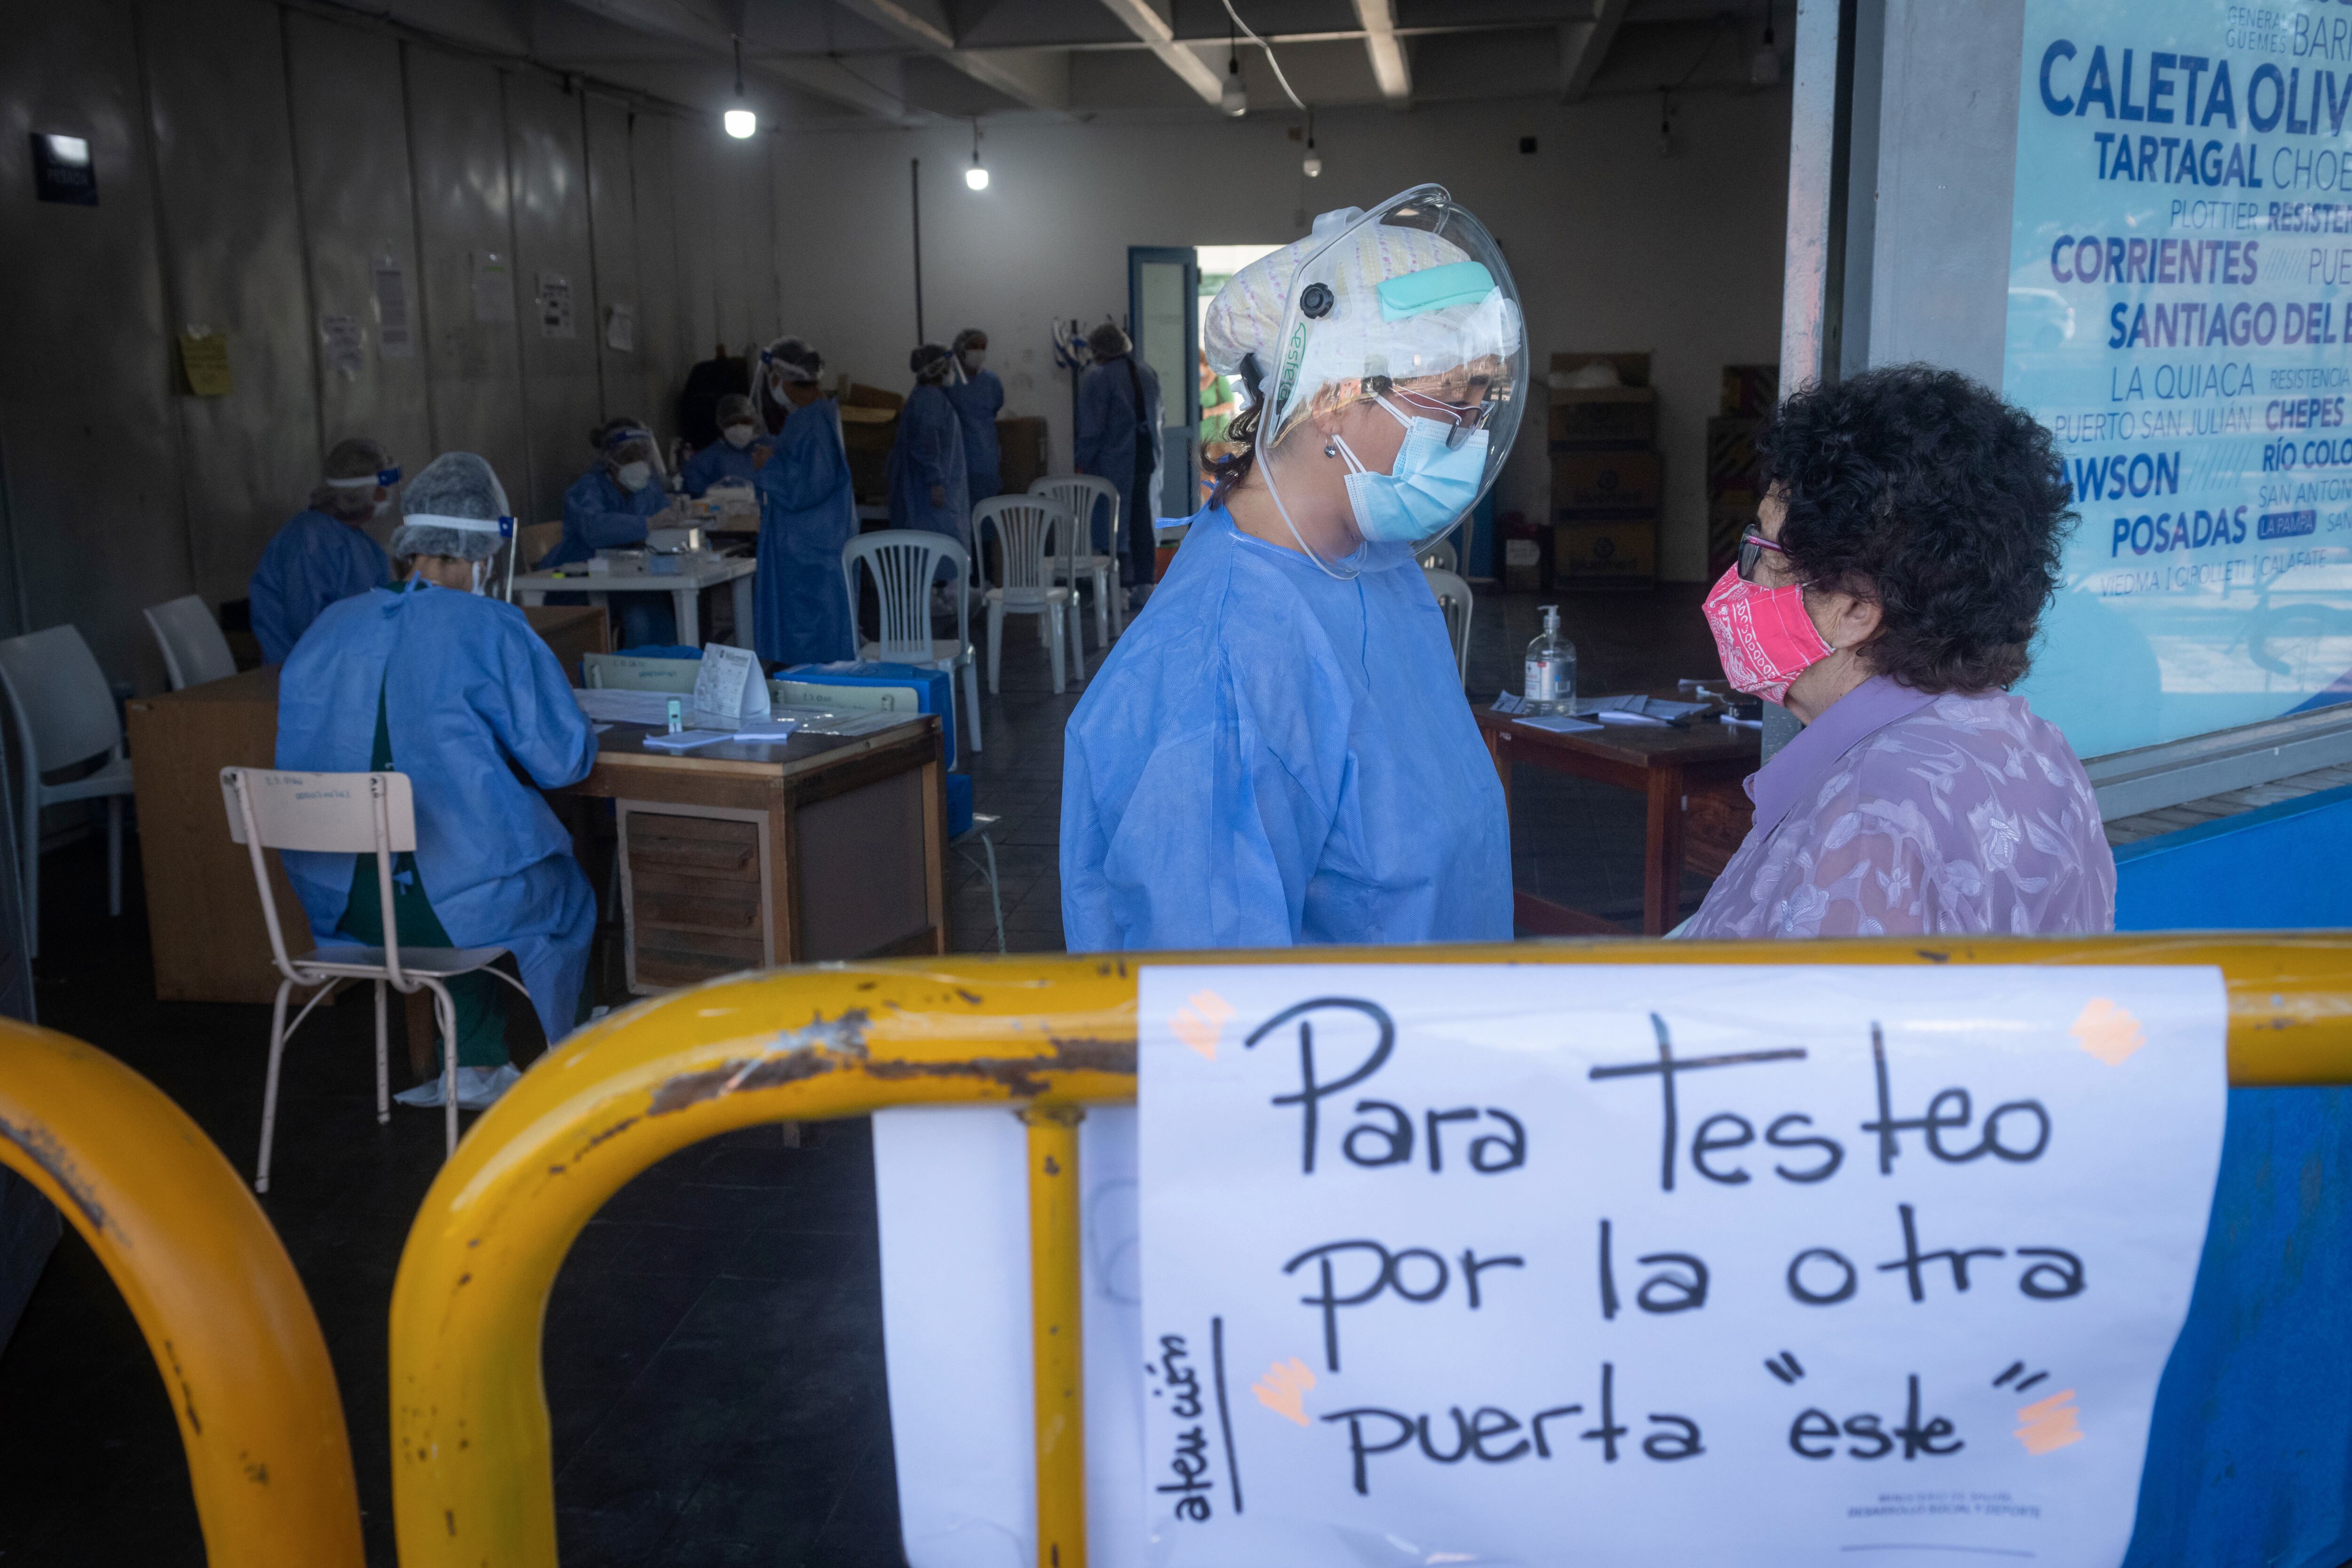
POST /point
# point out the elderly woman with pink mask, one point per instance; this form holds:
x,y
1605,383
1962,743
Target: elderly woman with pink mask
x,y
1887,597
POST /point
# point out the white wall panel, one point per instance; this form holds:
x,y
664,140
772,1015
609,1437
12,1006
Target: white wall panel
x,y
663,321
344,96
231,250
458,143
694,198
562,399
87,423
613,235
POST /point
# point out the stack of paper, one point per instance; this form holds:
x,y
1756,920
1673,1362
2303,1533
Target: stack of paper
x,y
686,740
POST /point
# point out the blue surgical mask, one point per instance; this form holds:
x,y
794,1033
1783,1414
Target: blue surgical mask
x,y
1432,486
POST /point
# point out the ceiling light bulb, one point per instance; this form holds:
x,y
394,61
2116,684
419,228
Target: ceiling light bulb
x,y
976,177
742,123
1234,99
1764,70
1313,166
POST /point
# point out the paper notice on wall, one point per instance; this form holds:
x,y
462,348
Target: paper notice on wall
x,y
620,328
493,287
203,362
393,338
1679,1264
555,305
344,343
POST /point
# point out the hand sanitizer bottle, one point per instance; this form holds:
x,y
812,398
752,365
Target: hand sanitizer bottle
x,y
1551,669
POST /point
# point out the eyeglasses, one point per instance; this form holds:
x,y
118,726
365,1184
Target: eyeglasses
x,y
1753,546
1462,418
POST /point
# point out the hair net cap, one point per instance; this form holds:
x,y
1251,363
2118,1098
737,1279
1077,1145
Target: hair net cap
x,y
453,507
1109,340
735,408
358,457
929,362
966,338
790,362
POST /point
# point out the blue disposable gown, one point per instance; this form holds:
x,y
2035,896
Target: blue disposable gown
x,y
807,517
598,514
977,400
311,561
930,451
468,688
1112,430
720,464
1272,756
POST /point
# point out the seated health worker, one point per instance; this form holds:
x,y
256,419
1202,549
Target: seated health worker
x,y
807,517
1887,597
735,457
927,476
433,679
979,397
607,509
324,553
1278,752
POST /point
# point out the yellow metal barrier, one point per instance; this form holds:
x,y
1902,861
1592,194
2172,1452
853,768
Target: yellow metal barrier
x,y
471,1481
216,1297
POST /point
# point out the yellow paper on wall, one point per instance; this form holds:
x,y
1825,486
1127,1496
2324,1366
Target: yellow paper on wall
x,y
204,363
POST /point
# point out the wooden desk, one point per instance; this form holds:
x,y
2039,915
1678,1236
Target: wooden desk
x,y
1668,767
204,922
828,846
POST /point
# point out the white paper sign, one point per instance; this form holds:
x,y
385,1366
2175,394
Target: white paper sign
x,y
345,343
493,287
1640,1265
620,328
730,685
555,305
394,339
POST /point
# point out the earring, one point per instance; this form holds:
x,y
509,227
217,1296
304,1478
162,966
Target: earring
x,y
1331,448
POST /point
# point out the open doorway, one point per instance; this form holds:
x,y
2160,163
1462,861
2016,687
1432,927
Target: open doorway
x,y
1222,397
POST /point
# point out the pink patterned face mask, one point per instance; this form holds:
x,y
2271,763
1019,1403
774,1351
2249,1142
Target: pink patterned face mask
x,y
1764,636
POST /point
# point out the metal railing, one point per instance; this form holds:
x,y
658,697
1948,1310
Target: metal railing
x,y
214,1293
472,1480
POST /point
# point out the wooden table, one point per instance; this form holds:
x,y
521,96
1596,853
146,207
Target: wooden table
x,y
740,857
685,589
204,922
1668,767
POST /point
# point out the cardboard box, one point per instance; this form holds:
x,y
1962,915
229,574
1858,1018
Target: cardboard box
x,y
1617,555
1021,447
1622,418
1606,481
1522,564
1731,456
1750,391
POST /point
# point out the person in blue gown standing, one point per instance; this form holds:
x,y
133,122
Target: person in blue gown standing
x,y
807,517
324,553
436,681
607,509
1118,440
735,457
928,474
979,397
1279,751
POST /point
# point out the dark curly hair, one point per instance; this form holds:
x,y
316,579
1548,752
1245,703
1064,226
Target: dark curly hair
x,y
1924,492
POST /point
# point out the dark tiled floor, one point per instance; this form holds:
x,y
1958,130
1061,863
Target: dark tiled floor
x,y
713,1351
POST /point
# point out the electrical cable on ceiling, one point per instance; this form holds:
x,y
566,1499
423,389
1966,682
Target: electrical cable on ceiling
x,y
1276,64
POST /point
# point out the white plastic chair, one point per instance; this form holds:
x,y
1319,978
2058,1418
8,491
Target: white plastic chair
x,y
65,715
905,561
1442,556
1027,530
194,649
1453,599
1078,493
346,813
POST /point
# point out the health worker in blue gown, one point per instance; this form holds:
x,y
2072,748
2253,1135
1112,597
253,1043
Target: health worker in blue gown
x,y
979,397
433,679
929,479
324,553
607,509
1279,752
807,517
735,457
1118,440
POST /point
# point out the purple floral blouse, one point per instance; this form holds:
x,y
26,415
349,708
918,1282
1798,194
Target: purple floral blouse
x,y
1896,813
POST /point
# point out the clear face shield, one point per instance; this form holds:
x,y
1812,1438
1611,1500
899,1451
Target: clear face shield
x,y
1402,332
